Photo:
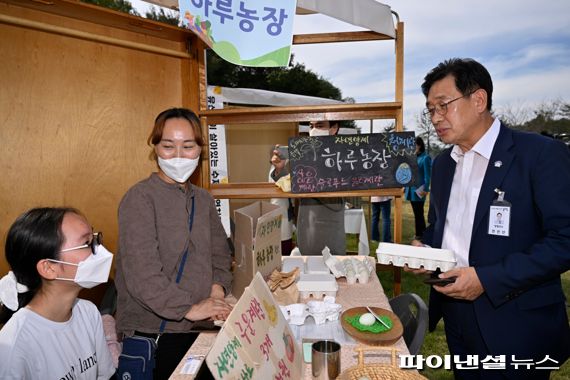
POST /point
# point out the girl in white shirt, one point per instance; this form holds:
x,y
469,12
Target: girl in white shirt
x,y
53,254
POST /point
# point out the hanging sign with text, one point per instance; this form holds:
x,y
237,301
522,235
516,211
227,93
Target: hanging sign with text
x,y
246,32
353,162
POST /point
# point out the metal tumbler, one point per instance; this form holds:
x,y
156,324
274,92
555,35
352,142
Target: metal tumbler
x,y
325,359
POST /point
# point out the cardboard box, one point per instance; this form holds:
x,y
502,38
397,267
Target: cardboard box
x,y
257,242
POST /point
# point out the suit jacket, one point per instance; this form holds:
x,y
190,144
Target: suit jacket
x,y
522,311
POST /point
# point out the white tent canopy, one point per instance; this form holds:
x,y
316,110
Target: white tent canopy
x,y
267,98
369,14
252,96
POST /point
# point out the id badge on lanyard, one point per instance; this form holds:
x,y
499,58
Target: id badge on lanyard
x,y
499,216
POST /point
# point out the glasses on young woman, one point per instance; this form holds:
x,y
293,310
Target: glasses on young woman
x,y
97,240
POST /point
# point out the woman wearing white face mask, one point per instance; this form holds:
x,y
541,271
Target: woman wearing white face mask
x,y
173,264
50,333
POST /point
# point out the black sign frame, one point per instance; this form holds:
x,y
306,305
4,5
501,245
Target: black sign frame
x,y
353,162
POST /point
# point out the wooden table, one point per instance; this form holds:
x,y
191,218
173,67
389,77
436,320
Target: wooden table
x,y
369,294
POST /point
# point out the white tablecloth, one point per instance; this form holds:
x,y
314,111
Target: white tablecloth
x,y
355,223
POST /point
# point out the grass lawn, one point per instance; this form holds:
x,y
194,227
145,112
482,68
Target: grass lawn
x,y
435,343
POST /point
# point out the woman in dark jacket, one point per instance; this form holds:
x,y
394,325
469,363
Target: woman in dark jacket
x,y
417,195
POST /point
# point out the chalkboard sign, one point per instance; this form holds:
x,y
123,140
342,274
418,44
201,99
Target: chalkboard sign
x,y
353,162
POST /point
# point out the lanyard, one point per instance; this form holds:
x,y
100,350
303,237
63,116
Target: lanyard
x,y
182,262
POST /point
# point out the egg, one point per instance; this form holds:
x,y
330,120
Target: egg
x,y
404,173
367,319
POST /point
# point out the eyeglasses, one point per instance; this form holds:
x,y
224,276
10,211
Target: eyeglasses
x,y
97,240
441,108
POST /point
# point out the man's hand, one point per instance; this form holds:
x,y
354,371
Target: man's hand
x,y
466,286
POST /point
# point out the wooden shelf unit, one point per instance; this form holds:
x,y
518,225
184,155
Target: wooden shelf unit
x,y
358,111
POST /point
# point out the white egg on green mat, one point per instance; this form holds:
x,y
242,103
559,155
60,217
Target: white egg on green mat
x,y
366,319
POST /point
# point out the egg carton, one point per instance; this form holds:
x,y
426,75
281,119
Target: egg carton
x,y
317,285
321,311
354,269
416,257
289,264
316,264
309,264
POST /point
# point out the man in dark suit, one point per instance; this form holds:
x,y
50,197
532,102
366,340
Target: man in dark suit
x,y
507,298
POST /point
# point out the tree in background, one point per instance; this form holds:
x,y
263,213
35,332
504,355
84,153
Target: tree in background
x,y
390,128
294,79
117,5
565,110
160,15
550,118
125,6
427,132
513,114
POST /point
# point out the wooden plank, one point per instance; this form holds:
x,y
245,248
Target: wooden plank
x,y
400,75
361,111
107,17
319,38
68,32
398,221
265,190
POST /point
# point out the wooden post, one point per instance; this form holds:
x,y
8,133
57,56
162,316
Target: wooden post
x,y
399,128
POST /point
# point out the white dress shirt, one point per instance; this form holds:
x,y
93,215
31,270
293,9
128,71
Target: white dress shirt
x,y
469,173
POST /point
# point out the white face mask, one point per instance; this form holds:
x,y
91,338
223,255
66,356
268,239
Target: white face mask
x,y
318,132
179,169
92,271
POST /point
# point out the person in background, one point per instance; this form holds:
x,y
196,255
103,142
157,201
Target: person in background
x,y
417,195
173,264
506,305
381,205
50,333
287,212
320,221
